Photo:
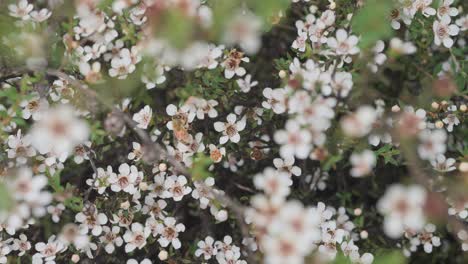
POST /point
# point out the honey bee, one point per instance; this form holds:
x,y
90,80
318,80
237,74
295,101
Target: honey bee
x,y
180,127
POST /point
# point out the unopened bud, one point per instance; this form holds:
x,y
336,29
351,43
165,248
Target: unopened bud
x,y
435,105
439,124
364,234
463,108
463,167
125,205
75,258
282,74
313,9
143,186
162,167
163,255
357,211
395,109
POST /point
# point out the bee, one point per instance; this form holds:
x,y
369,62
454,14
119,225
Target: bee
x,y
180,127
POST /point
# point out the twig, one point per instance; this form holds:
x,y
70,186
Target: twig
x,y
93,165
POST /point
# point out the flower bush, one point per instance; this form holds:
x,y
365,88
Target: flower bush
x,y
241,131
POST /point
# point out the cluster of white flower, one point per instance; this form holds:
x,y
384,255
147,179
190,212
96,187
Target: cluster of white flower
x,y
287,231
137,177
443,29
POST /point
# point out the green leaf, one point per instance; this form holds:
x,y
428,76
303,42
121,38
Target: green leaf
x,y
200,167
371,22
6,200
54,182
74,203
331,162
393,257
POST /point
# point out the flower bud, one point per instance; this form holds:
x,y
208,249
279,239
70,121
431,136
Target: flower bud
x,y
163,255
463,108
395,109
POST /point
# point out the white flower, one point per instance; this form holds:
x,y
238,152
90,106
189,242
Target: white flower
x,y
274,183
284,249
217,154
40,16
343,44
441,164
366,258
443,31
276,100
111,238
59,132
101,180
47,252
20,147
122,65
400,47
206,248
206,107
445,10
136,153
126,179
136,237
403,209
230,129
56,211
232,64
22,245
362,163
422,5
21,10
432,143
154,208
203,192
426,238
157,188
183,116
144,261
175,187
451,120
379,56
143,117
28,188
34,108
359,124
246,84
287,165
90,219
300,42
169,232
294,141
463,23
244,29
341,84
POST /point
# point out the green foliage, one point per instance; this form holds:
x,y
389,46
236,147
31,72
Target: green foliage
x,y
5,198
73,203
388,153
391,257
199,170
371,22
